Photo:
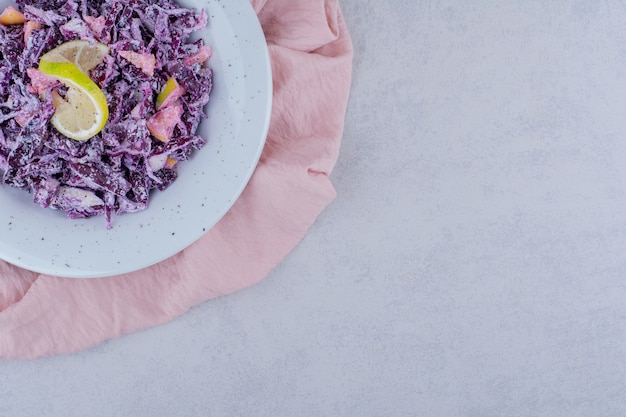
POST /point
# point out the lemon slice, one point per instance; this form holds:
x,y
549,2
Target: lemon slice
x,y
84,111
83,54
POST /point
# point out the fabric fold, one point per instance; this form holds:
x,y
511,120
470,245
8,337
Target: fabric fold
x,y
311,56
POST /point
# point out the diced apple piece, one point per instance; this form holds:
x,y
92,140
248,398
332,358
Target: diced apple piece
x,y
144,61
29,27
170,162
95,24
171,92
11,16
161,124
39,82
199,57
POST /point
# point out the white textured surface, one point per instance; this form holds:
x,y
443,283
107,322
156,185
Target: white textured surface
x,y
473,264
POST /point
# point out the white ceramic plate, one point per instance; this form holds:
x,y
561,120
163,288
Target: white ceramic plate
x,y
45,241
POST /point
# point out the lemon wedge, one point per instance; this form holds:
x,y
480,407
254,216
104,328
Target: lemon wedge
x,y
84,111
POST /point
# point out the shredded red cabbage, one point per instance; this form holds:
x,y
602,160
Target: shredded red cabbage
x,y
114,171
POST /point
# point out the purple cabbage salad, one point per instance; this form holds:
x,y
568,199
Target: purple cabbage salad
x,y
115,171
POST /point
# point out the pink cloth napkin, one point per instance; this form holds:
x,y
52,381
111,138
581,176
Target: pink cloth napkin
x,y
311,57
